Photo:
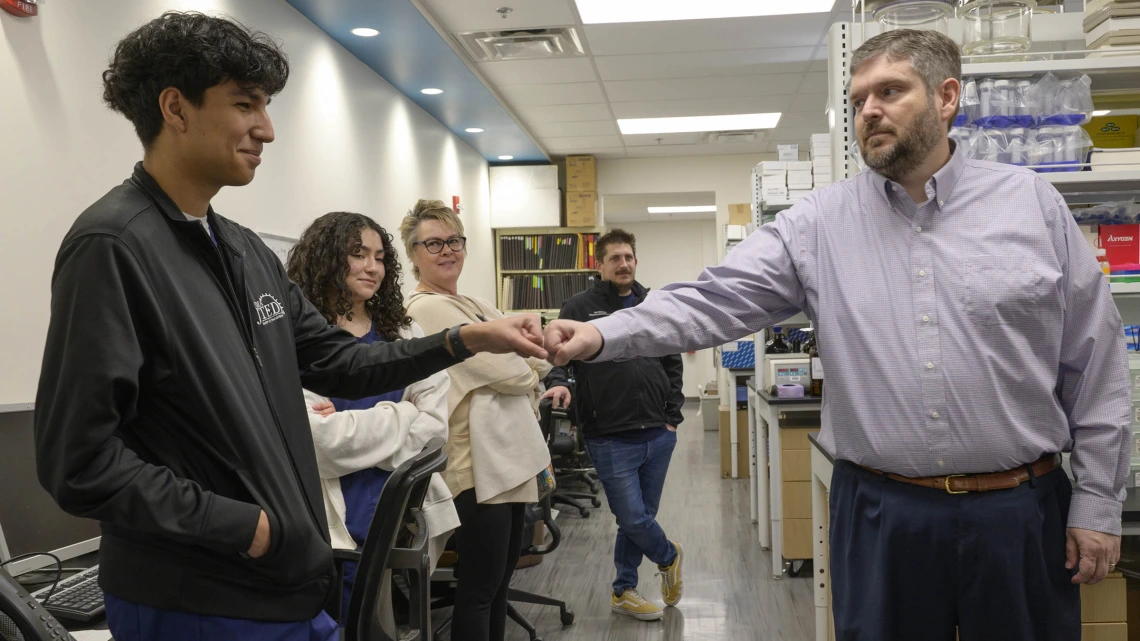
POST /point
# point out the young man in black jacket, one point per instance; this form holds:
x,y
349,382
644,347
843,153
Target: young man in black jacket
x,y
169,404
629,413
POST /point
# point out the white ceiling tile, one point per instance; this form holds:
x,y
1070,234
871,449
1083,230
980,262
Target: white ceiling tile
x,y
719,87
706,35
606,127
565,113
809,102
574,93
538,72
582,142
701,107
801,135
819,65
696,150
699,64
642,140
601,152
480,15
612,152
814,83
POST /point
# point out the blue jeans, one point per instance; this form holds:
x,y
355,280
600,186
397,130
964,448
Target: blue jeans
x,y
633,476
132,622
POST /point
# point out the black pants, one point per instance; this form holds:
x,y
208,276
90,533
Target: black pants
x,y
489,543
911,563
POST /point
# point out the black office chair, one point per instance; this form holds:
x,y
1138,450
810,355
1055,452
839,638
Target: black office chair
x,y
397,540
570,463
539,511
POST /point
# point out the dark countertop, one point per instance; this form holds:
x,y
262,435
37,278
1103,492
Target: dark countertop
x,y
815,440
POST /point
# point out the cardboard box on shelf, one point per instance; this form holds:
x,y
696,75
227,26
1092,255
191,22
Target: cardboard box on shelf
x,y
796,194
799,176
581,209
740,214
799,165
823,163
742,454
788,152
772,167
581,173
775,192
774,179
823,138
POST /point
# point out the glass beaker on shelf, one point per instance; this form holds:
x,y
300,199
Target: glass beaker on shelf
x,y
996,26
915,14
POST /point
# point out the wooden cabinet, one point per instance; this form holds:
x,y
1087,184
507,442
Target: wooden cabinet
x,y
795,473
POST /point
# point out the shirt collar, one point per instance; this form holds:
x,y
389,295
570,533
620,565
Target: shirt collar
x,y
943,180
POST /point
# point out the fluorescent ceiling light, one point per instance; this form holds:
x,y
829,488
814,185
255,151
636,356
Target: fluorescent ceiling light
x,y
506,157
608,11
473,130
365,32
431,91
697,123
1102,112
682,210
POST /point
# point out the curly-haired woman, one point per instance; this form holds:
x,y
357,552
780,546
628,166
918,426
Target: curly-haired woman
x,y
347,267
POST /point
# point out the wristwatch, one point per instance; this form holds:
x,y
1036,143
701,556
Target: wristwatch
x,y
457,347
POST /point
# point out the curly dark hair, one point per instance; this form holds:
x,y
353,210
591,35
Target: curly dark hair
x,y
319,266
191,52
615,236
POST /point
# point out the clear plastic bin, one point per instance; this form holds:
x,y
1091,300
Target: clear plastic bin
x,y
915,14
996,26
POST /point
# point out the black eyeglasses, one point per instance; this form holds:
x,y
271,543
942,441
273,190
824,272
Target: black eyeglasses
x,y
435,245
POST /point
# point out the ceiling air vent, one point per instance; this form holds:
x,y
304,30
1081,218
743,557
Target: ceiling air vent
x,y
731,137
522,44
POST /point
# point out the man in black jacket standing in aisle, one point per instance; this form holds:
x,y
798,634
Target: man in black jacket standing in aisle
x,y
170,404
629,413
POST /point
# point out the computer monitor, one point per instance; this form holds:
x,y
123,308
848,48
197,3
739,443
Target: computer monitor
x,y
30,521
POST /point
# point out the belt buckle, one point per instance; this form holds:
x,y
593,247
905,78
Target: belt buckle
x,y
947,484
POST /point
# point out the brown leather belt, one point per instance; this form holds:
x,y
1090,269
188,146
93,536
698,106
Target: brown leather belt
x,y
965,483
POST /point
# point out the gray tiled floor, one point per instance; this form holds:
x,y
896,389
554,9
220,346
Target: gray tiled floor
x,y
729,591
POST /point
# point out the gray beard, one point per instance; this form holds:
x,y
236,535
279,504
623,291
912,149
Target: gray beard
x,y
909,151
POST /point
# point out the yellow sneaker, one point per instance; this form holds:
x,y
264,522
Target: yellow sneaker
x,y
631,604
671,584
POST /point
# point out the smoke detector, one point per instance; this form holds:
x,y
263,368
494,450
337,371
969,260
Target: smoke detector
x,y
522,44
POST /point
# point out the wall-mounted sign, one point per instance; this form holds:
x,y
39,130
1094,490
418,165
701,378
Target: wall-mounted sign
x,y
20,8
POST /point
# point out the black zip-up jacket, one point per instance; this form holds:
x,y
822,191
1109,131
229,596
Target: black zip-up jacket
x,y
619,396
170,407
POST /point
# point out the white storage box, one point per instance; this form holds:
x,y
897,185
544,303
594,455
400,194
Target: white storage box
x,y
770,167
788,152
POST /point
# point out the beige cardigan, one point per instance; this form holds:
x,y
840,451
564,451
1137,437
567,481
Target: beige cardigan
x,y
494,443
384,436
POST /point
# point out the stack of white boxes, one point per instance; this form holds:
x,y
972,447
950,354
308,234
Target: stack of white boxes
x,y
773,180
821,160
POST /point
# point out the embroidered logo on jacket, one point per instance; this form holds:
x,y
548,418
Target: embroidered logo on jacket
x,y
599,314
268,309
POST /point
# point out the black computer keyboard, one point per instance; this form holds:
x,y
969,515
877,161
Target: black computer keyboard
x,y
76,598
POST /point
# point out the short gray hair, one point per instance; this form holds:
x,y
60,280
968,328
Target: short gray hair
x,y
934,56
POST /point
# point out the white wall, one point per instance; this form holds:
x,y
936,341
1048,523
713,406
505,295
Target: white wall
x,y
346,140
728,176
671,252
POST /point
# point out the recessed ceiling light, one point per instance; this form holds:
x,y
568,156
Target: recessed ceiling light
x,y
431,91
506,157
697,123
1102,112
365,32
473,130
682,210
608,11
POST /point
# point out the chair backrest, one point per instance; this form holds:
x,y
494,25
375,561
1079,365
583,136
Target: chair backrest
x,y
398,507
546,417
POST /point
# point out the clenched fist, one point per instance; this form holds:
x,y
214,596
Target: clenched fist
x,y
568,340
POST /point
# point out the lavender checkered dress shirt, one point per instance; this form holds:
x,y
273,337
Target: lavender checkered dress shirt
x,y
971,333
